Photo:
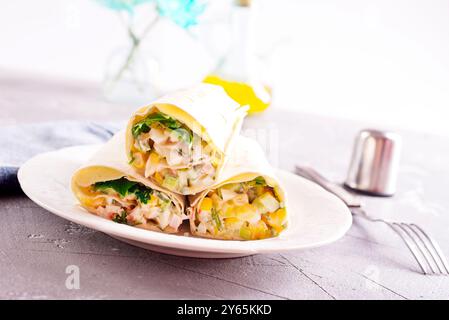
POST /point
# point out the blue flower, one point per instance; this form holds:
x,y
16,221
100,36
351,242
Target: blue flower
x,y
182,12
119,5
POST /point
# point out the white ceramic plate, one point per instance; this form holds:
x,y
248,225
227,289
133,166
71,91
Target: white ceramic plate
x,y
316,216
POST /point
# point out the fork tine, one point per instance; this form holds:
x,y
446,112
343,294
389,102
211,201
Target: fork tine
x,y
428,245
436,248
422,246
403,235
417,241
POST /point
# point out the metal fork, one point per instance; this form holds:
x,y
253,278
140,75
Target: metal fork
x,y
424,249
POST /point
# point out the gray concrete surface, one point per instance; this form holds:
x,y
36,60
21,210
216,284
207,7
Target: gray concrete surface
x,y
370,262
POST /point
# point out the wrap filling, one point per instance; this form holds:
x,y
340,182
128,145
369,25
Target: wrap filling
x,y
129,202
172,154
248,210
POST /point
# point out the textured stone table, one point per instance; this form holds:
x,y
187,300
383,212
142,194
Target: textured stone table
x,y
370,262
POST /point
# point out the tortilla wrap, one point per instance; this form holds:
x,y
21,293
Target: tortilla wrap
x,y
208,114
247,162
110,163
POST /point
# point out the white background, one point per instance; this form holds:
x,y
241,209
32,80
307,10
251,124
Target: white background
x,y
382,61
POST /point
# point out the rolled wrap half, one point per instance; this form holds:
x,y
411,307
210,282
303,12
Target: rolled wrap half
x,y
247,203
180,140
108,187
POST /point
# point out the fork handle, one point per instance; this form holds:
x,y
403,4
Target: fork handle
x,y
311,174
359,211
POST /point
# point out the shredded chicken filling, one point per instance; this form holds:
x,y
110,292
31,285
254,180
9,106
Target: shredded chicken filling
x,y
132,203
172,154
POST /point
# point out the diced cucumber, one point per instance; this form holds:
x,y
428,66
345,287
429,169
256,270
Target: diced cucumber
x,y
170,182
245,233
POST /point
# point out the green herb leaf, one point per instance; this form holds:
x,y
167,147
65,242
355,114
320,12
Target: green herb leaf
x,y
132,158
216,218
145,124
120,218
143,194
260,181
121,185
124,187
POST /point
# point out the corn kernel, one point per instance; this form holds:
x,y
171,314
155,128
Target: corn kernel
x,y
276,219
158,177
154,159
206,204
231,223
259,231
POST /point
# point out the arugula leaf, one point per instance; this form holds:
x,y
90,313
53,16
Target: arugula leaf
x,y
145,125
124,187
121,185
260,181
216,218
120,218
143,194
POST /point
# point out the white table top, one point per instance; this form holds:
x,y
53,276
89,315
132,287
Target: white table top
x,y
370,262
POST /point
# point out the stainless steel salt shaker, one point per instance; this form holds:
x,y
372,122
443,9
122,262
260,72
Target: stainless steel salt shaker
x,y
374,163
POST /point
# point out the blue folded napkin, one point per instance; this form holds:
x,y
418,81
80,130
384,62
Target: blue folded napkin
x,y
21,142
